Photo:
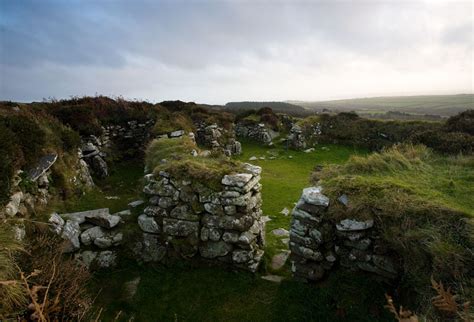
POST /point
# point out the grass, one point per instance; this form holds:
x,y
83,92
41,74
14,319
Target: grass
x,y
123,185
182,293
284,178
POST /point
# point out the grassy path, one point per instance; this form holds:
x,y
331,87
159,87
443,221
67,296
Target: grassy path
x,y
283,179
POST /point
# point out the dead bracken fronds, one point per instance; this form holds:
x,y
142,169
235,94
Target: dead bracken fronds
x,y
446,302
401,314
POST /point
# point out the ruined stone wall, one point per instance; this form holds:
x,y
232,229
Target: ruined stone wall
x,y
320,244
257,132
187,219
217,138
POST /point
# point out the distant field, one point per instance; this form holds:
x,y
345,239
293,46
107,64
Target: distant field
x,y
445,105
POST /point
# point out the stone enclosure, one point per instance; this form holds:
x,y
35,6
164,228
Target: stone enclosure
x,y
320,244
186,219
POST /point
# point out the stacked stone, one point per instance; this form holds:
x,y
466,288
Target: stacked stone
x,y
92,234
257,132
319,244
137,131
212,136
189,220
296,139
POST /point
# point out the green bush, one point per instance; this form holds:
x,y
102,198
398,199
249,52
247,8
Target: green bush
x,y
446,142
10,153
462,122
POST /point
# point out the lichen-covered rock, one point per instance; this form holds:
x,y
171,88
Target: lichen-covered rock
x,y
148,224
71,232
175,227
213,249
354,225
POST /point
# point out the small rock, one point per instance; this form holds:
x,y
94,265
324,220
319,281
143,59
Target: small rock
x,y
136,203
344,199
253,158
285,211
280,232
354,225
285,241
273,278
279,260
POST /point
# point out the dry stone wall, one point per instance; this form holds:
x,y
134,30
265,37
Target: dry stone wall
x,y
258,132
217,138
320,244
187,219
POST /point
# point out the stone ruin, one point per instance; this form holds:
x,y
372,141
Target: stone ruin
x,y
258,132
185,219
296,139
319,244
93,236
216,138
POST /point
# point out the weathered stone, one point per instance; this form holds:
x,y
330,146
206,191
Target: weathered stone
x,y
136,203
280,232
167,202
247,238
354,225
182,228
70,233
183,212
344,199
253,169
123,213
176,134
56,222
303,215
362,244
155,211
13,207
230,237
238,180
242,256
385,263
214,209
314,196
43,165
212,249
148,224
106,259
103,219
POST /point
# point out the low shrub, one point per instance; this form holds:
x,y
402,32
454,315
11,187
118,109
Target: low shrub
x,y
446,142
462,122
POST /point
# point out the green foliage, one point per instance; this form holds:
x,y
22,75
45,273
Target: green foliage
x,y
462,122
422,204
446,142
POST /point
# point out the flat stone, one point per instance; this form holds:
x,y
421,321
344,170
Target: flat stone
x,y
136,203
313,196
80,216
104,220
253,158
280,232
238,180
175,227
279,260
123,213
57,223
43,165
285,211
354,225
285,241
273,278
176,134
253,169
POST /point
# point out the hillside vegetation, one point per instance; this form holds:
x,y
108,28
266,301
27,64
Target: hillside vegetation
x,y
446,105
422,202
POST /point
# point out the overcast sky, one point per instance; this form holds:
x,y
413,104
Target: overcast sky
x,y
220,51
